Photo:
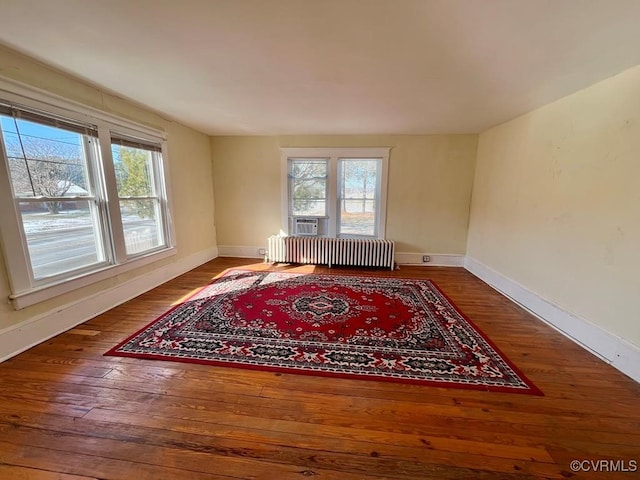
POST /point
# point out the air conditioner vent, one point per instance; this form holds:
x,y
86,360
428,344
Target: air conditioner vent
x,y
305,226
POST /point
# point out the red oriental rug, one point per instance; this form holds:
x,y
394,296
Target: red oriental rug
x,y
376,328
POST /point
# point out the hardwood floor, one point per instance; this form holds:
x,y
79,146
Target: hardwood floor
x,y
68,412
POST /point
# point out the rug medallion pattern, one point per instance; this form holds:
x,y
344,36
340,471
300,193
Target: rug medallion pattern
x,y
377,328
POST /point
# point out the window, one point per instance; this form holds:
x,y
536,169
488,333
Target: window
x,y
139,193
308,187
344,188
358,187
51,164
59,174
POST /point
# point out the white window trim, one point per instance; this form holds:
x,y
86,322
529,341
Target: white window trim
x,y
24,291
333,154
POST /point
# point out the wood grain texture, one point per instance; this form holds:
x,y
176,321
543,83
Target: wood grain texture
x,y
67,412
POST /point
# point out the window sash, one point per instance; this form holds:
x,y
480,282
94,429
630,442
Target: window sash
x,y
39,163
146,234
146,237
76,237
47,239
363,226
312,197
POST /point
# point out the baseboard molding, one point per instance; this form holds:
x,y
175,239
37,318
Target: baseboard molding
x,y
436,259
240,251
612,349
401,258
18,338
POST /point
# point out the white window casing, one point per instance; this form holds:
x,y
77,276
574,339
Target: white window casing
x,y
329,224
26,287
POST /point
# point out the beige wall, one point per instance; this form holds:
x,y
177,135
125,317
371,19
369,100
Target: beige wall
x,y
190,177
429,190
556,203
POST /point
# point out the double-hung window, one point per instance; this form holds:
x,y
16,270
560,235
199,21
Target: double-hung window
x,y
359,196
84,195
308,187
53,168
342,189
140,188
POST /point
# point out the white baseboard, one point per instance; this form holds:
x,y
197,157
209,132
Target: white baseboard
x,y
614,350
18,338
240,251
436,259
401,258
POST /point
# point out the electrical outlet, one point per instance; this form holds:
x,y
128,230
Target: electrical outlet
x,y
426,258
262,251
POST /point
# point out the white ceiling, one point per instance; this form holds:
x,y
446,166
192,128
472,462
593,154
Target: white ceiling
x,y
331,66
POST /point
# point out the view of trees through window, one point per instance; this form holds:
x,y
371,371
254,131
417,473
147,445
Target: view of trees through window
x,y
358,186
47,162
308,187
139,201
54,177
50,178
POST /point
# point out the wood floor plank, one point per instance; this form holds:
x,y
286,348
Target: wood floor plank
x,y
22,473
74,463
125,439
67,412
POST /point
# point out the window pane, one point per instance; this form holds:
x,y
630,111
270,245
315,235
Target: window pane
x,y
134,170
141,218
142,225
50,161
62,241
308,187
358,196
43,160
309,208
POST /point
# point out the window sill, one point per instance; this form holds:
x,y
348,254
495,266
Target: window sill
x,y
40,294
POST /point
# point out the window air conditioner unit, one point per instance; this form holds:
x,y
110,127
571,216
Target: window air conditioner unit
x,y
305,226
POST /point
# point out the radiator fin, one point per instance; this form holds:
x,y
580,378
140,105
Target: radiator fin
x,y
331,251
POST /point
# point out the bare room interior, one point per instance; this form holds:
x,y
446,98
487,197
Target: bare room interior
x,y
342,239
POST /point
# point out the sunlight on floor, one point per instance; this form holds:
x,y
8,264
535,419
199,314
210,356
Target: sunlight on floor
x,y
258,267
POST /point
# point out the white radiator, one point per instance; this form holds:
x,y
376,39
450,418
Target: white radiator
x,y
331,251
